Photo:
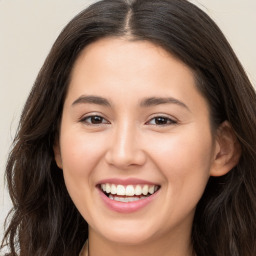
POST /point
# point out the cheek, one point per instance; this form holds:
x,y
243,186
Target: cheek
x,y
80,156
183,149
185,160
80,153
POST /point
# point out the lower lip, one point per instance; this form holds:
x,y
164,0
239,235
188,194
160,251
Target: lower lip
x,y
128,207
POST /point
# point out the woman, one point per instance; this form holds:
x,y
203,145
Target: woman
x,y
138,137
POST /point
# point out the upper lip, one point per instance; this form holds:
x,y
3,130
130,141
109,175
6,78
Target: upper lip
x,y
129,181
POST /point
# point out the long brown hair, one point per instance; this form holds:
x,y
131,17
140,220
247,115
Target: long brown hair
x,y
44,220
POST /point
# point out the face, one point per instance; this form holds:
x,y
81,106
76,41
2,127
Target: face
x,y
135,145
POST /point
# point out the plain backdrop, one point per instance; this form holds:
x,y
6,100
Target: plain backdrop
x,y
28,29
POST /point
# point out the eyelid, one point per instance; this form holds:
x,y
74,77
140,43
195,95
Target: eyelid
x,y
172,120
91,115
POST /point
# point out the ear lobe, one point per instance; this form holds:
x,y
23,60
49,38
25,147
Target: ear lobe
x,y
57,154
228,150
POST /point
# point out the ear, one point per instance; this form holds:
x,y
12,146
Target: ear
x,y
227,150
57,154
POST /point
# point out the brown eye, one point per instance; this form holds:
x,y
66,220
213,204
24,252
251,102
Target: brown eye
x,y
91,120
161,120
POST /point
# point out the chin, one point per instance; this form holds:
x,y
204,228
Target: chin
x,y
131,239
129,236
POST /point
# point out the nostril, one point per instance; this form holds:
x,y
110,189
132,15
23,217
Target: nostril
x,y
125,159
125,149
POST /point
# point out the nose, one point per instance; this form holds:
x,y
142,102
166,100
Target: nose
x,y
125,149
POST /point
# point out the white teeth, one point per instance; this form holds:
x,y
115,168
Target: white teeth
x,y
103,187
108,188
145,190
138,190
113,189
151,190
120,190
129,190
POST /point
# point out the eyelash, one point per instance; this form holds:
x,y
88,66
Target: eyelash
x,y
165,121
98,120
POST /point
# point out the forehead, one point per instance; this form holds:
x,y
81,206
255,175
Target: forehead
x,y
120,59
128,71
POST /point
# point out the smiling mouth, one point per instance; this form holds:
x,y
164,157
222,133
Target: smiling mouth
x,y
129,193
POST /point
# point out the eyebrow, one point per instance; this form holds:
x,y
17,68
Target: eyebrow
x,y
92,100
147,102
153,101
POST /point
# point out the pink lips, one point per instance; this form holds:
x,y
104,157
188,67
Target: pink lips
x,y
126,207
